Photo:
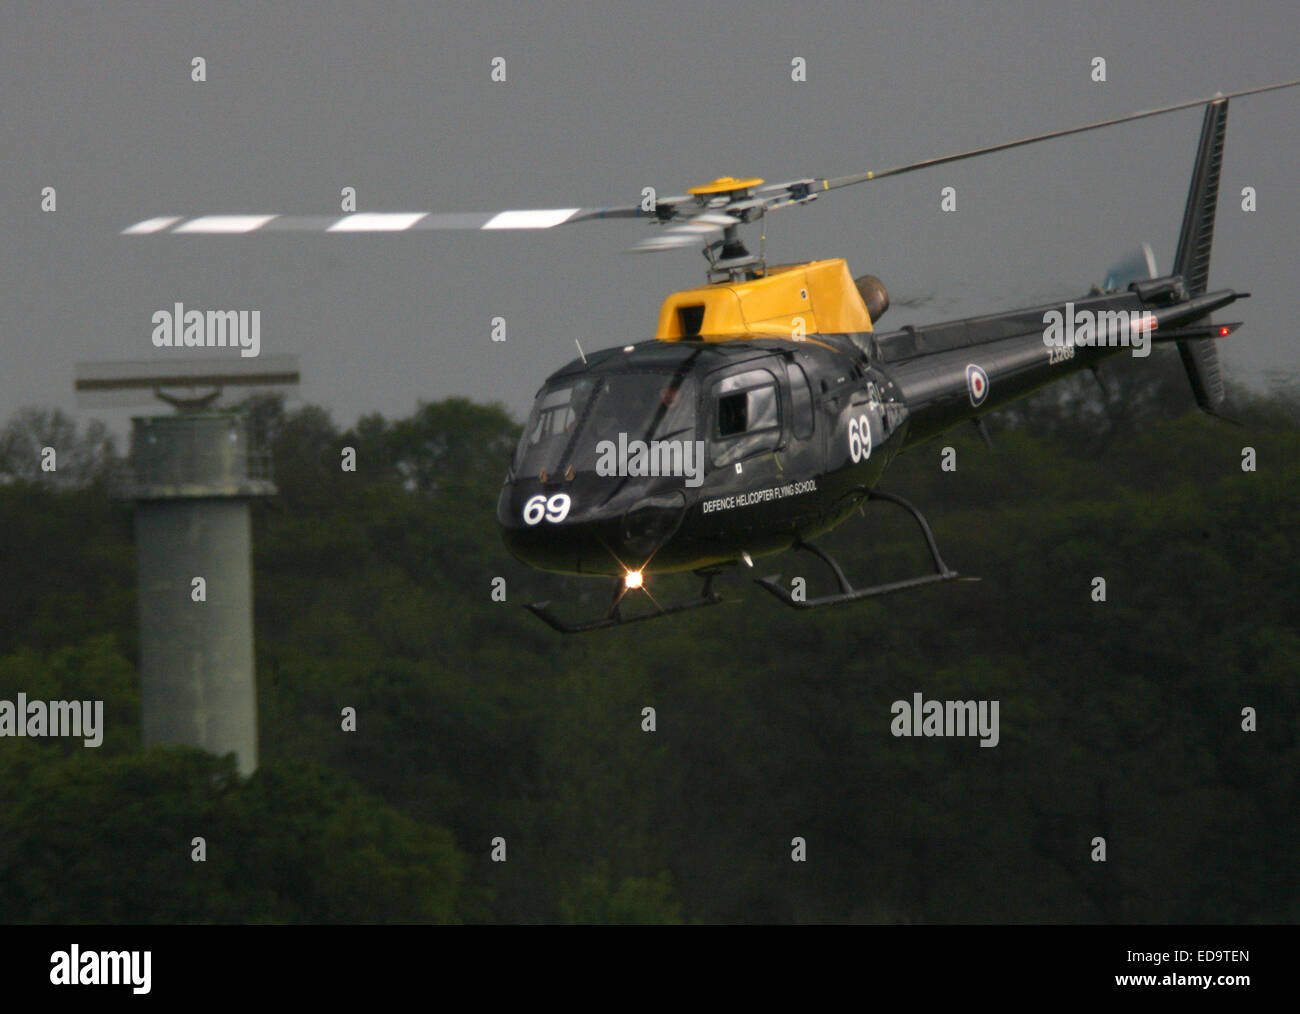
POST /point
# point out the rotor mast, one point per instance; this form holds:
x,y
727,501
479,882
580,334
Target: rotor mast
x,y
728,203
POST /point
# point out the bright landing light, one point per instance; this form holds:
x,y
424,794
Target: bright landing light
x,y
632,579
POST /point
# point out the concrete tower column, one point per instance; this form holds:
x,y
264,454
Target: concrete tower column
x,y
194,476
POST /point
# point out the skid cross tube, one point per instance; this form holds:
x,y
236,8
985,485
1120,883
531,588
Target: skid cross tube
x,y
847,592
615,617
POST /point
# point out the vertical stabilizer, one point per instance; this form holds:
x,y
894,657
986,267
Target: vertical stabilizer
x,y
1192,258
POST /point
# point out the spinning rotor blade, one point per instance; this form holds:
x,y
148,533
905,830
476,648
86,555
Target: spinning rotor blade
x,y
687,233
414,221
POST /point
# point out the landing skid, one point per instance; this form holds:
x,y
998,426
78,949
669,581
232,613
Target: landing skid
x,y
615,617
847,592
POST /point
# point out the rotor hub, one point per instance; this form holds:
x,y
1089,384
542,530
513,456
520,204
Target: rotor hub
x,y
725,185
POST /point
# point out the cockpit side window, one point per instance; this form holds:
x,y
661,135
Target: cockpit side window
x,y
747,416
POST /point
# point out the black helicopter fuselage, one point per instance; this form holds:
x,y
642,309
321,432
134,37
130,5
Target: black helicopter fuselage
x,y
795,434
765,413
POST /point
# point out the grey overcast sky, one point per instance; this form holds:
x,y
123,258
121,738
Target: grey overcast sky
x,y
601,99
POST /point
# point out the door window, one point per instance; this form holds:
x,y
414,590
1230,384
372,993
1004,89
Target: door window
x,y
747,416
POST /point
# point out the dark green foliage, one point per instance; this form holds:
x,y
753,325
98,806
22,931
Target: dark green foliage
x,y
109,839
1119,719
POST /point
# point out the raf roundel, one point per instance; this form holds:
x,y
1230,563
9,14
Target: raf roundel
x,y
977,383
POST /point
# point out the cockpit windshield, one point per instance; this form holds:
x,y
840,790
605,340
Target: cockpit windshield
x,y
572,416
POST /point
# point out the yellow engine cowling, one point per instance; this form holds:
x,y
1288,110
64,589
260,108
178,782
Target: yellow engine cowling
x,y
819,297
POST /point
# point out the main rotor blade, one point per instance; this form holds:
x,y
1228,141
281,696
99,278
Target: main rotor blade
x,y
534,218
834,183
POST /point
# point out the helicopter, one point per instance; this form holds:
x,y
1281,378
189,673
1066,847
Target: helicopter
x,y
768,405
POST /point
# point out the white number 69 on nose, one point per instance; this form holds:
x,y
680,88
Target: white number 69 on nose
x,y
859,438
553,509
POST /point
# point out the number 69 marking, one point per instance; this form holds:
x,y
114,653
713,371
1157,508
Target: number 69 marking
x,y
860,438
553,509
